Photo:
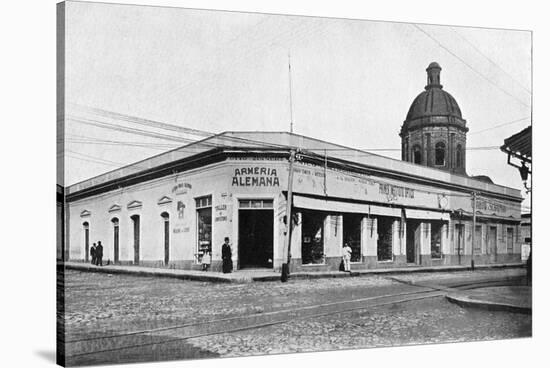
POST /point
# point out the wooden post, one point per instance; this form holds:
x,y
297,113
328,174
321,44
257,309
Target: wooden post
x,y
285,270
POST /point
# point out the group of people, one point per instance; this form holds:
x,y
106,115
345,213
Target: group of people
x,y
227,262
97,254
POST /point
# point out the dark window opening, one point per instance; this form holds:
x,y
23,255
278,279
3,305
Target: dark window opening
x,y
384,248
417,155
440,154
352,235
459,239
313,238
459,156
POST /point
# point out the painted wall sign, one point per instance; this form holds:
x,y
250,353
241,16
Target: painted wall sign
x,y
489,206
181,188
394,191
181,210
220,218
255,176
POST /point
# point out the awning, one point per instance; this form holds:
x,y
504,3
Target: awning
x,y
338,206
427,215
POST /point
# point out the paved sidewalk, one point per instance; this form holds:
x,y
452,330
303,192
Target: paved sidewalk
x,y
243,276
507,298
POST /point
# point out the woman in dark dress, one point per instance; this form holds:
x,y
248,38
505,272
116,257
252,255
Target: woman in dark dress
x,y
227,265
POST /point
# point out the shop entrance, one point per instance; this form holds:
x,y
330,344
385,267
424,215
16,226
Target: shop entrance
x,y
493,243
255,233
413,240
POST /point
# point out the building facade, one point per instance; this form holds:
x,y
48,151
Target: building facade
x,y
168,210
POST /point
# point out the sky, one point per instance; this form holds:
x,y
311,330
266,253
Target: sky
x,y
352,81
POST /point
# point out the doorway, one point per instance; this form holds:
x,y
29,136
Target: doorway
x,y
413,240
115,239
135,220
255,234
493,243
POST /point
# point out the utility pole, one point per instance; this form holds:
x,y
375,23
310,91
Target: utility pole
x,y
285,270
474,205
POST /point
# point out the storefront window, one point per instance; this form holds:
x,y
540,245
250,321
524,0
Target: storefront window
x,y
385,239
352,235
204,225
313,238
436,239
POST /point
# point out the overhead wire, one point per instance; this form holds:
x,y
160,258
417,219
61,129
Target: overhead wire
x,y
469,66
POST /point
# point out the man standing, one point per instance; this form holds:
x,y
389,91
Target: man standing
x,y
227,263
346,255
93,253
99,254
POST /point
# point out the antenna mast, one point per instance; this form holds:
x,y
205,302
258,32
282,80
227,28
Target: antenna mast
x,y
290,90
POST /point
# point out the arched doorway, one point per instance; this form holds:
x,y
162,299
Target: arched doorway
x,y
166,219
115,239
135,221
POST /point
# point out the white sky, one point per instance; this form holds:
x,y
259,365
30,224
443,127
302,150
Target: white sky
x,y
352,80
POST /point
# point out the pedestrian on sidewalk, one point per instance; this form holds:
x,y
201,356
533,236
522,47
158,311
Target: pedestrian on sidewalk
x,y
93,253
346,255
227,263
206,260
99,254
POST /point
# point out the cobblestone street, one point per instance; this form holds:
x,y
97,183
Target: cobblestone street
x,y
100,305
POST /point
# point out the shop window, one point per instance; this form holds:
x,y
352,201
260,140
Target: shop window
x,y
510,240
436,228
440,154
478,240
313,238
204,225
256,203
417,155
352,235
384,248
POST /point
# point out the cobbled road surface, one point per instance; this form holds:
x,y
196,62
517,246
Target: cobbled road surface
x,y
101,305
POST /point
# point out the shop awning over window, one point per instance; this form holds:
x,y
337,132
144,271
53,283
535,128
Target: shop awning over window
x,y
347,207
427,215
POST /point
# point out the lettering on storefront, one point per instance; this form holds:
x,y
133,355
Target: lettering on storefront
x,y
489,206
220,218
255,177
393,192
181,188
178,230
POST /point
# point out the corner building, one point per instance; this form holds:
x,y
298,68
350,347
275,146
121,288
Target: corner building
x,y
166,211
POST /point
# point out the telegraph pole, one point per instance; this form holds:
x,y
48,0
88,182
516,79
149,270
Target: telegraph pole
x,y
285,270
474,204
290,93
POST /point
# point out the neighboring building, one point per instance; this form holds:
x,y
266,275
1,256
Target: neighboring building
x,y
169,209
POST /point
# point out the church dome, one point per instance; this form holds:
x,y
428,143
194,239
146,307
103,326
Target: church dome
x,y
434,105
434,102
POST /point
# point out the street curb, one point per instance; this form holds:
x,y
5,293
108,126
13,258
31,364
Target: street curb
x,y
468,302
210,277
153,273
